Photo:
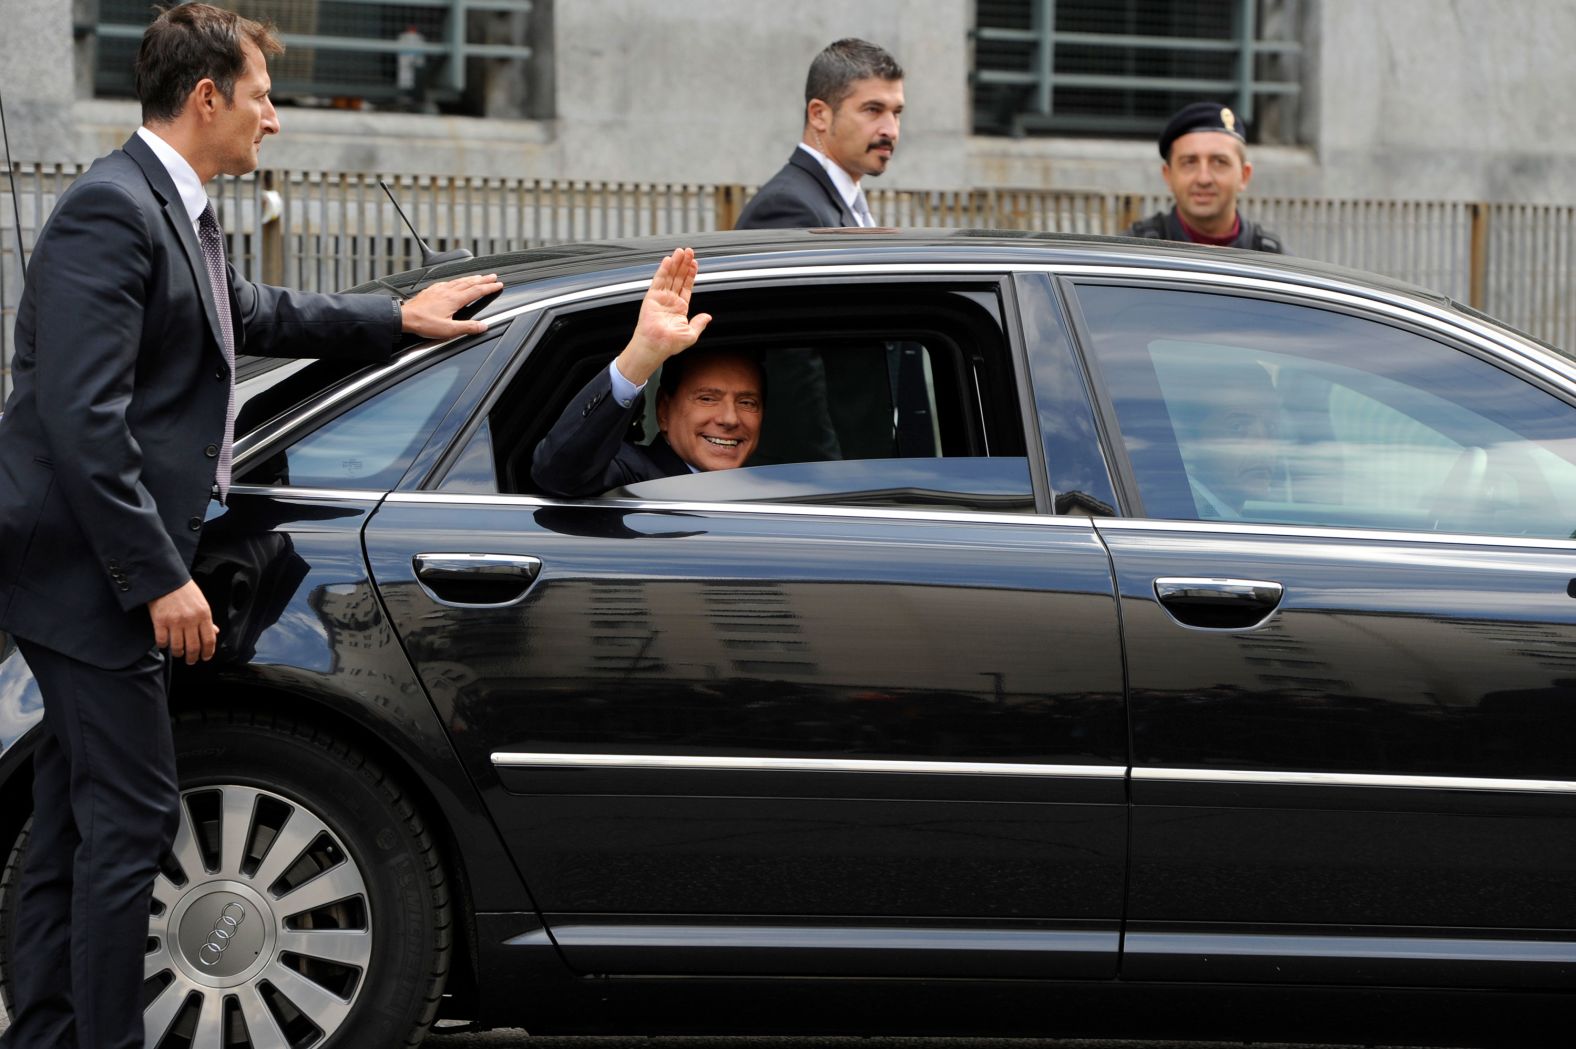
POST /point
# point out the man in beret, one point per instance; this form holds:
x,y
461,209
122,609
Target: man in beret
x,y
1206,166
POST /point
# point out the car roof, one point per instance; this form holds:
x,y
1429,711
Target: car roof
x,y
748,249
577,266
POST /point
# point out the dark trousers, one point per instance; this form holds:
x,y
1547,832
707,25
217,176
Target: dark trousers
x,y
105,809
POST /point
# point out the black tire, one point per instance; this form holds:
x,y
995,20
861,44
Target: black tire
x,y
8,879
321,919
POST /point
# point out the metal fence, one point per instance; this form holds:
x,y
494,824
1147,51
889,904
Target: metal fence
x,y
327,231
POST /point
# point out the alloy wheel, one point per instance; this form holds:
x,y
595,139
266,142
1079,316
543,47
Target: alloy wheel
x,y
260,931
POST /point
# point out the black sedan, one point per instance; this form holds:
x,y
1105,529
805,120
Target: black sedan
x,y
1105,638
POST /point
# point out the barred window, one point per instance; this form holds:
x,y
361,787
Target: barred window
x,y
413,55
1122,67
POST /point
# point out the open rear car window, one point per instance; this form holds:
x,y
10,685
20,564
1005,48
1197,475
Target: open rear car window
x,y
876,395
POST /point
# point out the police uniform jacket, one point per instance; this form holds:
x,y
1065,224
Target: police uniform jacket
x,y
1166,225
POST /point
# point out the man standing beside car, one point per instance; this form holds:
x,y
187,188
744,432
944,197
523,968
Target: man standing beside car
x,y
1206,165
853,105
116,436
853,109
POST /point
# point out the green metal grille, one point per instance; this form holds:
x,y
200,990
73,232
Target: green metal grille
x,y
334,48
1121,67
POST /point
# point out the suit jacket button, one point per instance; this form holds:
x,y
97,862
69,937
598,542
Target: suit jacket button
x,y
221,372
125,587
212,451
195,524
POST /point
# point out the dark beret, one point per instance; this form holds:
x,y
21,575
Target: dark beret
x,y
1200,116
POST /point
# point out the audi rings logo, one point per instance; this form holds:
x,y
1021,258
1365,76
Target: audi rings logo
x,y
224,929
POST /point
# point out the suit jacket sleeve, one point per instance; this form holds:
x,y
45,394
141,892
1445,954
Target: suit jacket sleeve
x,y
585,453
94,314
279,322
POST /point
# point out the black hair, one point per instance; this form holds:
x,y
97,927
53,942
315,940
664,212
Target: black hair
x,y
189,43
840,63
675,367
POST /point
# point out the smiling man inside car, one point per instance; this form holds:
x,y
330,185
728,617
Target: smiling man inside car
x,y
709,403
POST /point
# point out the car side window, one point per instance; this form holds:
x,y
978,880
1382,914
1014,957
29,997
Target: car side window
x,y
874,396
370,445
1243,409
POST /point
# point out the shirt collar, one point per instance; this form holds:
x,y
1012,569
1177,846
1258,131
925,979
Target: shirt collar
x,y
847,188
187,184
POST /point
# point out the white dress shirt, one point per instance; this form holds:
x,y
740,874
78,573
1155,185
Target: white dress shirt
x,y
186,181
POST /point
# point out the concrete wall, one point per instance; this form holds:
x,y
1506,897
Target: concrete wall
x,y
1454,99
713,90
1448,99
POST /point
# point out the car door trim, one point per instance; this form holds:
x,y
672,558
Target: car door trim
x,y
1352,779
1023,949
688,762
1159,951
791,509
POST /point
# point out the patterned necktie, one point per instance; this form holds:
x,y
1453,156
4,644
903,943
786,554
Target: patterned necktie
x,y
212,241
862,208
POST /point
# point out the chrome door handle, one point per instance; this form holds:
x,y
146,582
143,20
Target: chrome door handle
x,y
1219,604
476,579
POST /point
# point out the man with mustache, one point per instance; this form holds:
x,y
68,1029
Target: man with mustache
x,y
1206,166
853,104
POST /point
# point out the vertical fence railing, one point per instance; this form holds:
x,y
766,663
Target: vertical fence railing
x,y
37,188
323,231
1528,269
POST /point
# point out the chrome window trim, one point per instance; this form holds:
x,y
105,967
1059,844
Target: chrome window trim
x,y
785,509
368,495
1288,531
1352,779
1039,520
687,763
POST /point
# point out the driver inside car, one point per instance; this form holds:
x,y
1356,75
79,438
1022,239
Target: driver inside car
x,y
1230,433
710,404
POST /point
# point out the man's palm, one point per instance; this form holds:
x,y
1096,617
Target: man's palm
x,y
665,324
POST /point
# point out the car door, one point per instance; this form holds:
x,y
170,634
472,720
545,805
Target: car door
x,y
831,733
1346,581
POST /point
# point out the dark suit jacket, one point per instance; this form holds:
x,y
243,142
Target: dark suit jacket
x,y
108,443
800,196
585,452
